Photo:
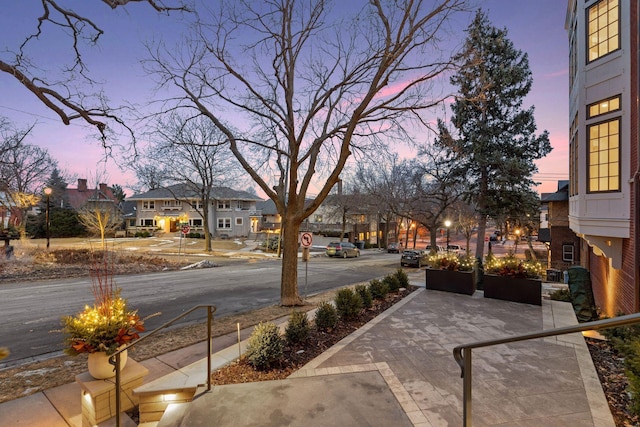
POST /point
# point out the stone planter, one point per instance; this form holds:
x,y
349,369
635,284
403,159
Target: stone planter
x,y
528,291
460,282
99,366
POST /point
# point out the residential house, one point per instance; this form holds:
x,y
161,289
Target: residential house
x,y
327,220
604,176
6,212
83,196
231,213
562,242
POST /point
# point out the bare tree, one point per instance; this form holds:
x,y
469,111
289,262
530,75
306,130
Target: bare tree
x,y
436,187
306,88
100,218
385,181
195,153
149,173
62,91
11,139
23,170
466,221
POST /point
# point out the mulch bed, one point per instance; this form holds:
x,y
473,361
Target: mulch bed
x,y
295,357
609,365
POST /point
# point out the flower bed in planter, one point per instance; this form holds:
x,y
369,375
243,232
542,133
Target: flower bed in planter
x,y
461,282
523,290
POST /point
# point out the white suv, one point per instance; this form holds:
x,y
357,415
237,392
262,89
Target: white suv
x,y
457,249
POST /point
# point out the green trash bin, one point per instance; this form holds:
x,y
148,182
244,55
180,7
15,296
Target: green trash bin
x,y
582,294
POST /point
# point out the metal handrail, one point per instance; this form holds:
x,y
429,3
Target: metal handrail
x,y
114,359
462,353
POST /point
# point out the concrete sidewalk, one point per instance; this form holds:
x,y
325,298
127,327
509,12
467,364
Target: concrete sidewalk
x,y
397,370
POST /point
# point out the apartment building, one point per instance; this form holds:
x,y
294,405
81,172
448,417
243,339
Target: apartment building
x,y
604,177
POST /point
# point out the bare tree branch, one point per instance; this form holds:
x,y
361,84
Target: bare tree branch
x,y
67,103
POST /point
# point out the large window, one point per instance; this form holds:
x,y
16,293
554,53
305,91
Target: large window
x,y
603,107
224,223
148,205
604,156
603,20
224,204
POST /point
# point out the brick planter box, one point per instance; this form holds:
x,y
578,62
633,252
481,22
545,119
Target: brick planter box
x,y
460,282
527,291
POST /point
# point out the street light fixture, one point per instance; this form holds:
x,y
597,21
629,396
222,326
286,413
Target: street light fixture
x,y
447,224
47,192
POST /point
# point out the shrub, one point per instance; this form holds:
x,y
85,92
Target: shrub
x,y
561,295
265,347
378,289
298,329
402,277
392,282
451,261
348,304
626,339
326,316
365,295
511,266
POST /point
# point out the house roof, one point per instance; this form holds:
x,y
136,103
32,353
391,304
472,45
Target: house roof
x,y
559,196
268,207
78,197
128,208
185,191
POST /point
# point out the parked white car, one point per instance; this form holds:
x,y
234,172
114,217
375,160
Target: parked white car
x,y
457,249
438,249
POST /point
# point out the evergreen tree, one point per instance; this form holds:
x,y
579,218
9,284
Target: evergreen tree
x,y
496,139
118,192
58,186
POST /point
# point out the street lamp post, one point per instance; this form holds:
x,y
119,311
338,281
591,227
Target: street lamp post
x,y
447,224
47,192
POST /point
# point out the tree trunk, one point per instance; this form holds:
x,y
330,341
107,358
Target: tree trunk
x,y
289,288
533,254
205,223
482,226
433,240
482,217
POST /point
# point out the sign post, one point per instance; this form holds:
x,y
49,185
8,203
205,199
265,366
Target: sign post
x,y
185,230
306,241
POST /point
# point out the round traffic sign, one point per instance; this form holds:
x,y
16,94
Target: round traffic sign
x,y
186,229
306,239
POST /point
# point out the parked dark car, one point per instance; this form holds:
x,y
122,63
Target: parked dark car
x,y
394,248
342,250
413,258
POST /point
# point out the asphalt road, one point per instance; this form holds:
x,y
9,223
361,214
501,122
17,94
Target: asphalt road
x,y
30,312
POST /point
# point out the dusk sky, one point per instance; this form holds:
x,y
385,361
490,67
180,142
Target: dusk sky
x,y
535,27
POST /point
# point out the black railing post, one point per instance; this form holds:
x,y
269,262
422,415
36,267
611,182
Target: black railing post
x,y
466,387
209,346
